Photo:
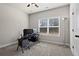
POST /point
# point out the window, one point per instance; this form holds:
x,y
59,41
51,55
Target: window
x,y
49,25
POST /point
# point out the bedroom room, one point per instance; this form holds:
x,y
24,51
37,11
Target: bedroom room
x,y
36,29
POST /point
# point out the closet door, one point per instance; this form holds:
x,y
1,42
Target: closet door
x,y
76,32
74,21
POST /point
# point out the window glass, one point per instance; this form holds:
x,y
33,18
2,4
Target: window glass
x,y
43,30
53,22
53,30
43,22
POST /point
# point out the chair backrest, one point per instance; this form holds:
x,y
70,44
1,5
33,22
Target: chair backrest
x,y
27,31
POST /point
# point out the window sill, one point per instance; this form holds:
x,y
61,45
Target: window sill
x,y
46,34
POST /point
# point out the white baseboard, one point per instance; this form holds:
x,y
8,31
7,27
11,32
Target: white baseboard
x,y
59,43
8,44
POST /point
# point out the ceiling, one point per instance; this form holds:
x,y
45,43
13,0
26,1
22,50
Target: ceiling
x,y
33,9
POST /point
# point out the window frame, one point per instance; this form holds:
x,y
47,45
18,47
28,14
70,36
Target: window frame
x,y
49,26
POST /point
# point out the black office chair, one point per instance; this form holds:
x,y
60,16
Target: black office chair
x,y
24,41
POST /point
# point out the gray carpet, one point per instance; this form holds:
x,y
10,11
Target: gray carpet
x,y
40,49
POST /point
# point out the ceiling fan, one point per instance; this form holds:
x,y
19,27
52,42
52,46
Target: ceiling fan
x,y
29,4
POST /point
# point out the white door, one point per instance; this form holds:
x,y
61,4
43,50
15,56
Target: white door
x,y
76,29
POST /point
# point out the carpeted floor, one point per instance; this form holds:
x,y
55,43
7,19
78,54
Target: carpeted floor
x,y
40,49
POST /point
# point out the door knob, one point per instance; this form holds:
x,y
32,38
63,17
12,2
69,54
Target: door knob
x,y
77,36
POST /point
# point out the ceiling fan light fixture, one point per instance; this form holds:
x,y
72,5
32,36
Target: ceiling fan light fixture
x,y
36,5
28,5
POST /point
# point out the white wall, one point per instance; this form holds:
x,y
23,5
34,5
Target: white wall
x,y
64,25
12,23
